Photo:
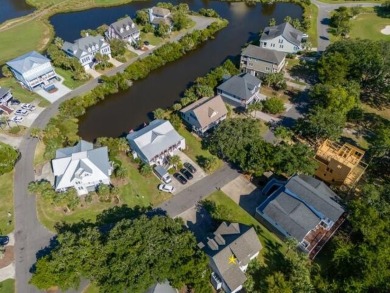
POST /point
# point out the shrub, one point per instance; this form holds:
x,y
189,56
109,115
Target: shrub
x,y
14,130
273,105
8,158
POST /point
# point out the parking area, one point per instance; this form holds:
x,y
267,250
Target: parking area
x,y
54,96
199,174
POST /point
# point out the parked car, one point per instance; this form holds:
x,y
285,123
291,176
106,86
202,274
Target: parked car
x,y
28,107
189,167
180,178
15,102
187,174
16,119
4,240
166,188
162,174
21,112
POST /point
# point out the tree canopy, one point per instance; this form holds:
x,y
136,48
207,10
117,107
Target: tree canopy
x,y
8,158
135,253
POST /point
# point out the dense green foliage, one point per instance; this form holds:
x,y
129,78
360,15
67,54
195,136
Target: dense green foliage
x,y
273,105
240,142
8,158
135,253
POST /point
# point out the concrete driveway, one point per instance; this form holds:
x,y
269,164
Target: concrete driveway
x,y
199,174
30,118
244,193
52,97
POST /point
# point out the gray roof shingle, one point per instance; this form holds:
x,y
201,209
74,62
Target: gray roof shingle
x,y
267,55
238,240
286,30
82,45
240,85
27,61
300,205
127,25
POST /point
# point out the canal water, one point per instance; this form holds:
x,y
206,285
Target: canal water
x,y
128,109
13,8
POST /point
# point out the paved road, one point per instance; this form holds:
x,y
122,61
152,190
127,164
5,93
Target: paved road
x,y
30,235
324,10
189,197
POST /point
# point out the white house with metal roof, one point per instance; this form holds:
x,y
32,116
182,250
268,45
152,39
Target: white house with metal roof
x,y
155,142
33,70
81,167
259,61
85,49
230,250
240,90
283,37
124,29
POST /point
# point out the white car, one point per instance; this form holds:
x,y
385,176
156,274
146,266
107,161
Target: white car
x,y
28,107
166,188
16,119
21,112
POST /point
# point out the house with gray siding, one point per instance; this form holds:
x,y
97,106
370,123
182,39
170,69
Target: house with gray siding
x,y
240,90
85,49
230,250
124,29
283,37
204,114
33,70
302,208
158,15
154,143
258,61
5,96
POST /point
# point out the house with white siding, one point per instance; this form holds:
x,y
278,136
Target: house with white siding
x,y
85,49
33,70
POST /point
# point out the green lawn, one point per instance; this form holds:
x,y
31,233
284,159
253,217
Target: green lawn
x,y
137,190
39,152
32,35
151,38
194,147
8,286
7,203
130,55
68,79
384,113
369,26
20,93
312,32
239,215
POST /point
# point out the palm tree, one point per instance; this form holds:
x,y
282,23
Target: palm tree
x,y
159,113
291,244
123,145
174,161
254,107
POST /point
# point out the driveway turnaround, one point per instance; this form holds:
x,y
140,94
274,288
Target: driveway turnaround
x,y
189,197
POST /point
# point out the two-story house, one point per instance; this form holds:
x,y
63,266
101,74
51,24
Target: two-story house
x,y
158,15
85,49
124,29
303,208
230,250
81,167
5,98
259,61
154,143
33,70
339,164
240,90
283,37
204,114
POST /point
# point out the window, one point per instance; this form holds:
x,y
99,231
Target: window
x,y
268,69
265,44
280,41
281,46
273,45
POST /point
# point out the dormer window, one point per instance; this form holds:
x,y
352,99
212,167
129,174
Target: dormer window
x,y
121,30
89,50
127,27
132,25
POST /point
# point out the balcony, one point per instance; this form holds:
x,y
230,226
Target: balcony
x,y
42,78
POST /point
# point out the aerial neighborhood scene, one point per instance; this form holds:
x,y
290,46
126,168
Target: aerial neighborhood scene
x,y
195,146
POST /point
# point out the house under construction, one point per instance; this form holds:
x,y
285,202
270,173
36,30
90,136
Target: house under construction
x,y
340,164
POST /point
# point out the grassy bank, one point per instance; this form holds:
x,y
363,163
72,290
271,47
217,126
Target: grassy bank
x,y
20,93
7,203
20,39
312,13
239,215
